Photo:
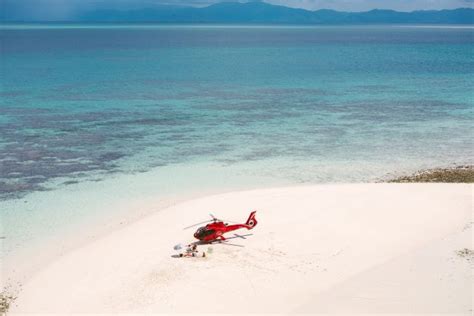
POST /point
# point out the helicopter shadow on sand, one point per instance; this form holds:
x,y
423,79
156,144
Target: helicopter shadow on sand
x,y
212,243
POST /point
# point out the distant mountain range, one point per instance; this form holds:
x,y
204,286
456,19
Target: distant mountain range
x,y
260,13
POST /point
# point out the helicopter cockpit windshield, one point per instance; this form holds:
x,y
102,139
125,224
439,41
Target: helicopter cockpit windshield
x,y
203,232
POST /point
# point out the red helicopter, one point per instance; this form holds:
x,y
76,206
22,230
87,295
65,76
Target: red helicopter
x,y
215,230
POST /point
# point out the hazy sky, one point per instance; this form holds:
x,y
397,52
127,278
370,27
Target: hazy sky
x,y
62,9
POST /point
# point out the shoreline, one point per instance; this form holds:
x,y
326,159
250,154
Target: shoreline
x,y
100,229
160,203
455,174
105,207
187,206
49,254
18,275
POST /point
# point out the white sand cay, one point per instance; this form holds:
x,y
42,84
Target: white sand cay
x,y
359,248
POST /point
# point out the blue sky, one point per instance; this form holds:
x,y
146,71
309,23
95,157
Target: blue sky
x,y
62,9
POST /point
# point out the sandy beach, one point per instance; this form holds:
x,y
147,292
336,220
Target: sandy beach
x,y
343,248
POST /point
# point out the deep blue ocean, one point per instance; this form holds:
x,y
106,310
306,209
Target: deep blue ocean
x,y
340,103
91,114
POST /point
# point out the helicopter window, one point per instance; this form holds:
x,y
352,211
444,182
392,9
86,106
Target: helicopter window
x,y
202,232
209,232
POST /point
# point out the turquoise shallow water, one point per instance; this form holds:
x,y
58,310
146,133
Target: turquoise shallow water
x,y
294,104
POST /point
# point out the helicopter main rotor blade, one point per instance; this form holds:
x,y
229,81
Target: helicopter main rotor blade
x,y
227,221
229,244
240,236
194,225
221,220
224,242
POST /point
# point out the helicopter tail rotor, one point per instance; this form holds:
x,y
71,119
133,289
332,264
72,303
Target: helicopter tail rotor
x,y
251,221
